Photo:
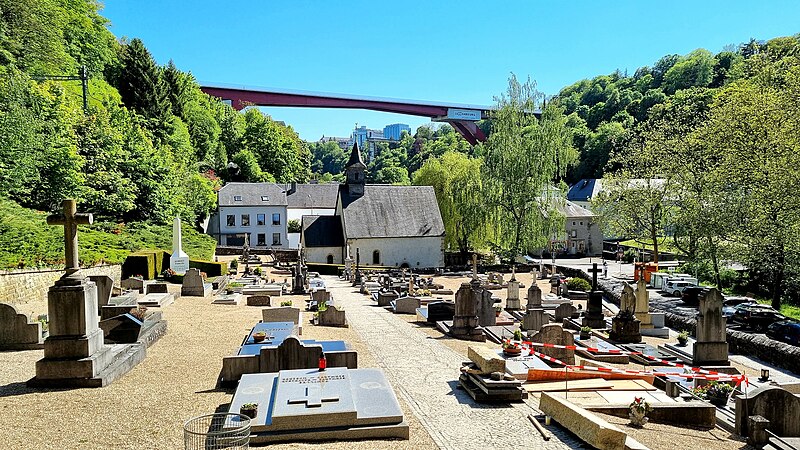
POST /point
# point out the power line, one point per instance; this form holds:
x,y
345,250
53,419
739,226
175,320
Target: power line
x,y
83,77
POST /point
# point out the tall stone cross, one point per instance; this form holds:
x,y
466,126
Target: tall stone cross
x,y
70,219
594,271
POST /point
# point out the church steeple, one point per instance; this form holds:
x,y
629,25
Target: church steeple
x,y
354,171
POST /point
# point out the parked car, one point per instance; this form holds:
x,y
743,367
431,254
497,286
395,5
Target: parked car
x,y
756,316
691,295
785,331
676,287
730,303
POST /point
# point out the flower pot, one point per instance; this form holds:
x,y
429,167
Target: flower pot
x,y
497,313
512,351
682,342
638,417
259,337
583,335
249,412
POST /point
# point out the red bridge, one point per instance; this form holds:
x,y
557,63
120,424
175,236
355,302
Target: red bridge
x,y
462,117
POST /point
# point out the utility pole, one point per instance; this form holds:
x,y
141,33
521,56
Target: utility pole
x,y
83,77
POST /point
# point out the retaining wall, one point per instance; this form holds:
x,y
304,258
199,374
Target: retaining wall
x,y
21,287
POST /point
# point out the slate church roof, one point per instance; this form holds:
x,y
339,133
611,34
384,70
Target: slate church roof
x,y
307,196
584,190
252,194
322,231
386,211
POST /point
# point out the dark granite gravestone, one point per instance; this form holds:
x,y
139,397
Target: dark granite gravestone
x,y
16,332
259,300
465,319
594,308
625,328
309,405
133,284
194,285
156,287
437,311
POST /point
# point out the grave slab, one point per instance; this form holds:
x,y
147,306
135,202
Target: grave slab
x,y
156,300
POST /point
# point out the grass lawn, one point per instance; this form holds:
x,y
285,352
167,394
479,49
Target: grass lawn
x,y
27,241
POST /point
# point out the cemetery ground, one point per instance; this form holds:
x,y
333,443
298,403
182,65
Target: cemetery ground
x,y
148,406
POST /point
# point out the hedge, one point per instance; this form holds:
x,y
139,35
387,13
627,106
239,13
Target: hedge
x,y
212,269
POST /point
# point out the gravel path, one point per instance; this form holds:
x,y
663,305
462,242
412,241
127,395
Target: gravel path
x,y
424,373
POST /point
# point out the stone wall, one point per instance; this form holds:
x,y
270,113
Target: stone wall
x,y
28,288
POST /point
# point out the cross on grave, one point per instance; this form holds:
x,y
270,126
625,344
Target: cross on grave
x,y
313,398
70,219
594,271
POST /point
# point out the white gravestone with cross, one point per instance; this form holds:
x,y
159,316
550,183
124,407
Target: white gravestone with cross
x,y
179,260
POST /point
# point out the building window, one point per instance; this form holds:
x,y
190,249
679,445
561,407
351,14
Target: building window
x,y
231,220
265,198
376,257
574,233
581,223
245,220
276,219
262,239
276,239
573,223
237,198
261,219
330,259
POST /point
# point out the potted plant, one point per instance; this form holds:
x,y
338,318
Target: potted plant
x,y
249,410
585,332
286,303
498,310
511,348
518,335
717,393
259,336
638,410
683,338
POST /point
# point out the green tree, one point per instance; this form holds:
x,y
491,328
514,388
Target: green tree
x,y
524,157
143,89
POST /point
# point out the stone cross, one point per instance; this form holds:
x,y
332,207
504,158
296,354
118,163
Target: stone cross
x,y
313,397
70,219
474,266
594,271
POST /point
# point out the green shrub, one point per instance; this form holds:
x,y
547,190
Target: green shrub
x,y
139,264
578,284
212,269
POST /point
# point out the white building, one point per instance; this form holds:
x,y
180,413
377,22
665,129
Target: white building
x,y
258,210
382,225
311,199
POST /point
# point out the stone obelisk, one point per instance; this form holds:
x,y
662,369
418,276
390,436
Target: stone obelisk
x,y
179,261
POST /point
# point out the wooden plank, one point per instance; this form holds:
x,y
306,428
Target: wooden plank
x,y
558,374
575,385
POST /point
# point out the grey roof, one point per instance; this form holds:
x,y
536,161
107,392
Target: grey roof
x,y
322,231
252,194
312,195
355,157
386,211
571,210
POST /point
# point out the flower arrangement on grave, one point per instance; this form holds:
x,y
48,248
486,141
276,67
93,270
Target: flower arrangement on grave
x,y
323,305
585,332
259,336
249,410
683,338
168,273
234,264
518,335
231,287
511,348
204,275
498,310
257,271
715,392
286,303
140,312
638,410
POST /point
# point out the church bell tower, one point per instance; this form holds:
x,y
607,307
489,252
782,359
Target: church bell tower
x,y
355,171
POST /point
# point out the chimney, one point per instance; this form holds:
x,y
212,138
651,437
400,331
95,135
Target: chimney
x,y
292,188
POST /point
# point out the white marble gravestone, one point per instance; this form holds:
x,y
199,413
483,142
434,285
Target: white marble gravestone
x,y
179,261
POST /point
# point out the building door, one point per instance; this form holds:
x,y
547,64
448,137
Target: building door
x,y
376,257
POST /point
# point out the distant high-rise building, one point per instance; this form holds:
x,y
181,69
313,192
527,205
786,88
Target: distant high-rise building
x,y
395,130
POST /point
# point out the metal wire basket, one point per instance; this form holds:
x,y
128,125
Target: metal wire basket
x,y
217,431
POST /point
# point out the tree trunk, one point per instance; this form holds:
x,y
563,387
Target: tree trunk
x,y
777,289
654,237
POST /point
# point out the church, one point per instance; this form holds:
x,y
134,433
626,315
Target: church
x,y
376,224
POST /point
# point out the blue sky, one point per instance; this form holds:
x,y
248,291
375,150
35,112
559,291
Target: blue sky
x,y
454,51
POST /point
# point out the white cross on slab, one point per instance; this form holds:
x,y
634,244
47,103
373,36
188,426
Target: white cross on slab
x,y
313,397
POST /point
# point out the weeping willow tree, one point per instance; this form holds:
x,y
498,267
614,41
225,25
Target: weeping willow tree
x,y
524,159
456,179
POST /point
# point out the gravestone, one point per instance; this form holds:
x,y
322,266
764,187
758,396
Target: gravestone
x,y
534,319
385,298
309,405
438,311
627,300
194,285
16,332
281,314
643,304
156,300
320,295
331,317
158,287
779,406
74,352
534,297
555,334
594,308
564,311
133,284
465,318
179,260
127,329
258,300
711,347
512,300
625,328
104,285
406,305
485,305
